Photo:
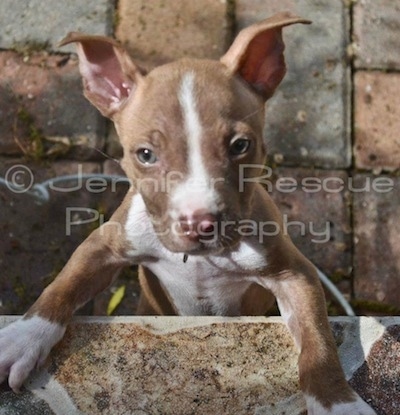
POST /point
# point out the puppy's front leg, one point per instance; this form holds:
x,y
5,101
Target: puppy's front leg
x,y
302,305
26,343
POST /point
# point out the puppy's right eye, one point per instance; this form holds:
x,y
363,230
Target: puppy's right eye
x,y
146,156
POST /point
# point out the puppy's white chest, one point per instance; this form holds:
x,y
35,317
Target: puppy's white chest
x,y
202,285
197,289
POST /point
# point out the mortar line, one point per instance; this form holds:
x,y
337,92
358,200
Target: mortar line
x,y
352,168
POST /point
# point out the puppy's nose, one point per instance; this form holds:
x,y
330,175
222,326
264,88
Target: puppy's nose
x,y
199,226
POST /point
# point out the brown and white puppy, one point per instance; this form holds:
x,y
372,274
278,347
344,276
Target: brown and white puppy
x,y
195,219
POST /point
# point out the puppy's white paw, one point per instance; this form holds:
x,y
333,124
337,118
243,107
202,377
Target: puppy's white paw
x,y
24,345
356,407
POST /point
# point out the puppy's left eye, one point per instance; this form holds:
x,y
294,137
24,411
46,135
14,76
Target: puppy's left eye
x,y
239,145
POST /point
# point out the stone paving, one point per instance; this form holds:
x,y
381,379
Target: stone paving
x,y
203,365
332,132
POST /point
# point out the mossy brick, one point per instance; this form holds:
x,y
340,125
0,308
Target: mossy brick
x,y
308,119
113,168
37,240
42,24
376,26
377,120
377,239
43,111
159,31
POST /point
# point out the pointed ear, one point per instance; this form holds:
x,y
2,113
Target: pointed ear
x,y
257,53
109,75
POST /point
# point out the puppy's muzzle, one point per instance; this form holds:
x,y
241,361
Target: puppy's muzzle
x,y
199,227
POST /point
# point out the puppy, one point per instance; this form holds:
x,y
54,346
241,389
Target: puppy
x,y
196,217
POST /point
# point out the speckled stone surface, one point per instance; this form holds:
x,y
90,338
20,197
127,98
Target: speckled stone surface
x,y
376,34
39,23
377,120
199,365
156,32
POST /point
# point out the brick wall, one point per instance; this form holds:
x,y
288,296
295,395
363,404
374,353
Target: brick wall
x,y
333,123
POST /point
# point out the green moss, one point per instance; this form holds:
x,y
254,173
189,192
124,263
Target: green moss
x,y
129,274
19,288
231,11
375,307
29,47
116,20
33,143
34,149
338,276
24,116
231,19
58,265
333,309
92,226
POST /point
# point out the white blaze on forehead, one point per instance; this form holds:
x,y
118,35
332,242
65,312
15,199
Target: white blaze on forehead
x,y
196,191
190,115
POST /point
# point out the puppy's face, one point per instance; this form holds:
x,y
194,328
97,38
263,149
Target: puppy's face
x,y
190,129
190,136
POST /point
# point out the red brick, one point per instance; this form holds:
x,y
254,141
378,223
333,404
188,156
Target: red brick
x,y
376,34
377,120
160,31
326,212
377,240
41,98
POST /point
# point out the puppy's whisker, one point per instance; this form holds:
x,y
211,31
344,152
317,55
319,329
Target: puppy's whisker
x,y
106,155
252,113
